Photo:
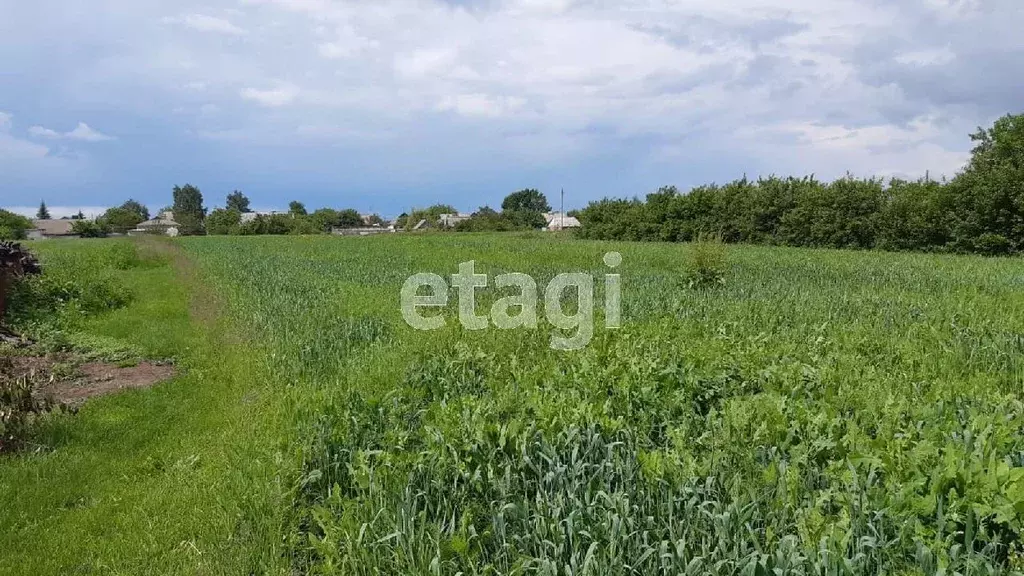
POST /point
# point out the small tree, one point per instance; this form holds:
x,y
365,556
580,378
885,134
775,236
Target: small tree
x,y
223,221
42,213
349,218
324,219
137,208
529,200
238,202
15,263
120,220
188,209
296,208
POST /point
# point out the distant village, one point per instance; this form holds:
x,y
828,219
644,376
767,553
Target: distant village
x,y
524,210
165,225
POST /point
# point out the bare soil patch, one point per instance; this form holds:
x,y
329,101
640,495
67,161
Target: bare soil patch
x,y
57,378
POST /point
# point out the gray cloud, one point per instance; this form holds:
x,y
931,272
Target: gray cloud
x,y
787,85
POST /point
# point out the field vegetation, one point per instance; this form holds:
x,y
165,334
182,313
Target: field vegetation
x,y
761,410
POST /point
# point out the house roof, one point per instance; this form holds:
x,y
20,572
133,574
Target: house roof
x,y
556,220
165,220
54,227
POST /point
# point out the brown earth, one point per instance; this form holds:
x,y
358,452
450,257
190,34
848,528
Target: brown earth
x,y
59,378
72,385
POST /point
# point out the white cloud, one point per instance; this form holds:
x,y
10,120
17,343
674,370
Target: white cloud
x,y
82,132
927,57
86,134
13,150
347,43
481,105
40,132
279,96
205,23
780,85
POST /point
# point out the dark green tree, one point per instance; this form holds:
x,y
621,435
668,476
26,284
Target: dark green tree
x,y
238,202
990,191
138,208
296,208
324,219
349,218
42,213
223,221
529,199
121,219
188,209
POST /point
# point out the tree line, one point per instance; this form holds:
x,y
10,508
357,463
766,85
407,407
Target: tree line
x,y
981,210
521,210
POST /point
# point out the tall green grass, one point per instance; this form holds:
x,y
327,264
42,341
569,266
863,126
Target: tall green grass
x,y
817,412
821,412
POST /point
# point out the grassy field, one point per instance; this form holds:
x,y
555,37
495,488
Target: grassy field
x,y
819,412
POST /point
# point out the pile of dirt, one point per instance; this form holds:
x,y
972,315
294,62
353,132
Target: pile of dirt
x,y
65,383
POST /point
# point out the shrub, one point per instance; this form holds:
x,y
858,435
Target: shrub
x,y
18,407
15,264
86,295
992,244
707,262
89,229
13,226
75,284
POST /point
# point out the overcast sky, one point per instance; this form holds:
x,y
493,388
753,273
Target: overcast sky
x,y
388,104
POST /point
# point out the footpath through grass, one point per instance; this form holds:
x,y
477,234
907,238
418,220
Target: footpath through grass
x,y
173,479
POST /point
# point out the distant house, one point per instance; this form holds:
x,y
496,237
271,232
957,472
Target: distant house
x,y
371,219
163,224
43,229
361,231
556,221
450,220
250,216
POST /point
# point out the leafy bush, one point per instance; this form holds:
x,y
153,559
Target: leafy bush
x,y
19,407
707,262
992,244
89,229
13,226
15,264
75,285
85,295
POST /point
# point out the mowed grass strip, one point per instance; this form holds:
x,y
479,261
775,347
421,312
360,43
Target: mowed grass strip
x,y
173,479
